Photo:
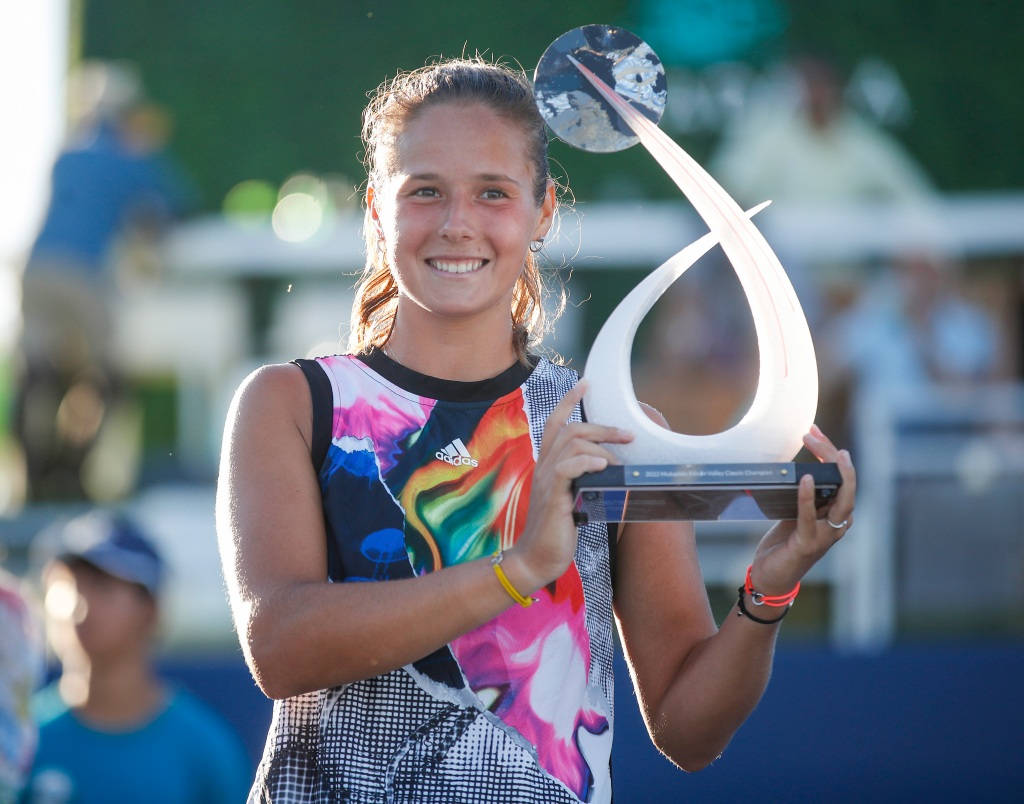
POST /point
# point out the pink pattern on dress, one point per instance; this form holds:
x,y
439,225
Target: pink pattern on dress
x,y
370,407
532,666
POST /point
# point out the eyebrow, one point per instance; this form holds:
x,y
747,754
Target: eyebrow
x,y
481,176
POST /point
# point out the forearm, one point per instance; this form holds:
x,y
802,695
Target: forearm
x,y
698,684
718,685
308,636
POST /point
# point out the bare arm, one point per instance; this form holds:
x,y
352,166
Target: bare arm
x,y
300,632
698,684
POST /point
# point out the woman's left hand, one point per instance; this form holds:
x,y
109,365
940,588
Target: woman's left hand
x,y
792,547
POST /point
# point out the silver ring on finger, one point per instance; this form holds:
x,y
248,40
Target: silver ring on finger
x,y
837,525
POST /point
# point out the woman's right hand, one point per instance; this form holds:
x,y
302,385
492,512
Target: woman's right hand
x,y
568,450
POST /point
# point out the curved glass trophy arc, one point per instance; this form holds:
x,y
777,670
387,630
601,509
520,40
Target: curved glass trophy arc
x,y
786,399
784,404
787,389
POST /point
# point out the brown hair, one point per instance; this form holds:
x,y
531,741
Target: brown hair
x,y
392,105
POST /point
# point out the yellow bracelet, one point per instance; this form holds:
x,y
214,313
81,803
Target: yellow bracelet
x,y
496,560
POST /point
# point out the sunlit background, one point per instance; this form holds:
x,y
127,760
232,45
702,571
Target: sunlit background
x,y
887,135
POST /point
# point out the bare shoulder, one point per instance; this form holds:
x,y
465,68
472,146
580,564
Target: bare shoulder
x,y
275,395
275,383
269,516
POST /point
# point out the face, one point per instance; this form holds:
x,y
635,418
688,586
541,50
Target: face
x,y
93,614
458,213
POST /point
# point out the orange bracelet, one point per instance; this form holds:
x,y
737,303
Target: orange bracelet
x,y
776,601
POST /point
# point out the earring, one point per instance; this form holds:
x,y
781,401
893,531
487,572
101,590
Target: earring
x,y
536,245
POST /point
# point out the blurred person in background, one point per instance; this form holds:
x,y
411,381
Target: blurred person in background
x,y
801,145
396,526
911,328
110,729
111,178
21,668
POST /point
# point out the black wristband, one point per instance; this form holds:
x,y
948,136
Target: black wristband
x,y
743,610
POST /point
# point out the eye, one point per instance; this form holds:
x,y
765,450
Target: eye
x,y
425,192
494,193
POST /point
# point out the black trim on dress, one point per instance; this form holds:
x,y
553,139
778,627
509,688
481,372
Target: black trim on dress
x,y
449,390
323,409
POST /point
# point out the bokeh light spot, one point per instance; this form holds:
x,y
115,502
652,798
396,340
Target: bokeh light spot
x,y
297,217
250,202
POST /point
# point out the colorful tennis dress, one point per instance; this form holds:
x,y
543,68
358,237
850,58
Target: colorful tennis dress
x,y
418,474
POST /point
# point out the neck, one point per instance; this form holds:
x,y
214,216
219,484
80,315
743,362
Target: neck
x,y
116,694
461,349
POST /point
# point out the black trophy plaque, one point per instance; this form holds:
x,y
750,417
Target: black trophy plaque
x,y
708,491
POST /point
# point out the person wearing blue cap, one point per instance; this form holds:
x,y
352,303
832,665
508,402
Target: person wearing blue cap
x,y
111,729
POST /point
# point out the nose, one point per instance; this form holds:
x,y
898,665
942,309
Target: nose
x,y
457,223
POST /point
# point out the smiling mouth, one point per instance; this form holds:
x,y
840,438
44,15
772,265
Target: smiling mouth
x,y
457,266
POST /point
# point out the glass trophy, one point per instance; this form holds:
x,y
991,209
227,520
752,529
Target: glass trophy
x,y
602,89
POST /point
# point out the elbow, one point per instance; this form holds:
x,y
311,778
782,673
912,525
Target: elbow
x,y
270,682
697,762
266,670
690,756
271,660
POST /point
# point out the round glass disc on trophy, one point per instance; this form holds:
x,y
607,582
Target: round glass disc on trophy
x,y
573,108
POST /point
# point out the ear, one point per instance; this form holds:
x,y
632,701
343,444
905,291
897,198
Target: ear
x,y
372,215
371,206
547,212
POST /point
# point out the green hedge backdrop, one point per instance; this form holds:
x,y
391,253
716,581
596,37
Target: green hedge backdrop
x,y
263,88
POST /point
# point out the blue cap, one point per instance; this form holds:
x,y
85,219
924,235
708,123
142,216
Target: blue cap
x,y
115,544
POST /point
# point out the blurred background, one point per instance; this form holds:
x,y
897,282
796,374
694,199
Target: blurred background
x,y
180,188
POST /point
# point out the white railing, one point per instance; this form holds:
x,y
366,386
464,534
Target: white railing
x,y
640,234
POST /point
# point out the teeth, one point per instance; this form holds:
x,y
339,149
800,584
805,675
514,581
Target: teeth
x,y
457,266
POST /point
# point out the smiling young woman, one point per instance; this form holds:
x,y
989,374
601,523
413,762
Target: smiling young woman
x,y
454,220
395,522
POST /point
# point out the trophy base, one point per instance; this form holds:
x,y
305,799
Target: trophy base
x,y
699,492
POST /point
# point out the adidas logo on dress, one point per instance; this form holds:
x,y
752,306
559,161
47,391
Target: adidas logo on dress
x,y
456,454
